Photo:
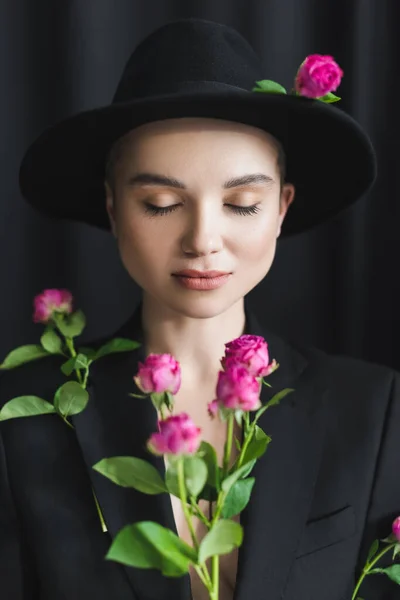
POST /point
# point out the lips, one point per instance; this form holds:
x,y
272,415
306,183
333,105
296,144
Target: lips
x,y
200,274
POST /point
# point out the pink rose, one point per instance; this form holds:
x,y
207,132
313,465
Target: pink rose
x,y
396,529
238,389
317,76
177,435
250,351
159,373
50,302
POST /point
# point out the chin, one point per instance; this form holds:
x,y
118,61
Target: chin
x,y
201,308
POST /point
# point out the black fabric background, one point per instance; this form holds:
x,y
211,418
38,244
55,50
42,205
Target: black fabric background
x,y
336,287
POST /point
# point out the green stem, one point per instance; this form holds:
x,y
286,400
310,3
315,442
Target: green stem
x,y
204,576
183,496
102,521
228,445
70,346
199,513
66,421
368,567
84,384
214,593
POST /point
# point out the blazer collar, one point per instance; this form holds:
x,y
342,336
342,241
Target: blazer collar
x,y
115,424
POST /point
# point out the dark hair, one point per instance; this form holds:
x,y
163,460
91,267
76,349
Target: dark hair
x,y
117,149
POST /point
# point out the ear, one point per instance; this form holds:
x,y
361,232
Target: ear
x,y
110,206
287,196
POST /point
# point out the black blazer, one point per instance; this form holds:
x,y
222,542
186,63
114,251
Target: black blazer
x,y
327,486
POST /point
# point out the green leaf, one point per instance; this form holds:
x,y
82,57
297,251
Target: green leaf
x,y
141,396
270,87
195,473
148,545
71,325
195,470
131,472
80,361
51,342
257,446
393,572
236,475
171,481
25,406
224,536
159,399
238,497
239,417
116,345
390,539
22,355
329,98
169,400
209,455
249,469
274,401
373,550
70,399
396,551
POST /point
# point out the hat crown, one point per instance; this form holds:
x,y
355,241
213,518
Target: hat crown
x,y
189,55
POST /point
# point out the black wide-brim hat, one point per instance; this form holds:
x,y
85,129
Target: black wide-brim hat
x,y
198,68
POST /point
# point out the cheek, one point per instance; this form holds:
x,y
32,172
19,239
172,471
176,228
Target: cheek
x,y
143,247
258,240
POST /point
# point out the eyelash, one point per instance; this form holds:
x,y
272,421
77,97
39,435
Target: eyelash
x,y
164,210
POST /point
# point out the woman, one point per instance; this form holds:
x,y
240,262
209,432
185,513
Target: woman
x,y
194,173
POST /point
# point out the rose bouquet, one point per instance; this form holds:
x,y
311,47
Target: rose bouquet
x,y
193,472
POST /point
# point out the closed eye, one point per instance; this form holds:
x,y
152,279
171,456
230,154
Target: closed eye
x,y
164,210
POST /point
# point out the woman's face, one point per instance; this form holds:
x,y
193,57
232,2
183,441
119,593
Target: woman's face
x,y
197,194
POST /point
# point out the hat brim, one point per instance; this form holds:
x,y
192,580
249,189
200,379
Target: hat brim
x,y
330,158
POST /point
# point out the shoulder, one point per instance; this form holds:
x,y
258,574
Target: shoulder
x,y
354,384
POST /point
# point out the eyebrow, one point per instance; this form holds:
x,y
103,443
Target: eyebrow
x,y
163,180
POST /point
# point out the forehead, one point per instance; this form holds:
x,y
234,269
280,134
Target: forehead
x,y
184,143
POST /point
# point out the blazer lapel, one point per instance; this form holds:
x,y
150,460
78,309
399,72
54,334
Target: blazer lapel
x,y
116,424
285,476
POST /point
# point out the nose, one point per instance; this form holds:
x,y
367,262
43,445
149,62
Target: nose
x,y
202,235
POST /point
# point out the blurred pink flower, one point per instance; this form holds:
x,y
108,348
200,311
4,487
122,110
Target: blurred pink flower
x,y
159,373
177,435
212,408
250,351
396,528
50,302
317,76
238,389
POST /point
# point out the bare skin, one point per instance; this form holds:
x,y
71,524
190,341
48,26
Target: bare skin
x,y
202,232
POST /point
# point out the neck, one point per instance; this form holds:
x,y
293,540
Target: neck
x,y
197,343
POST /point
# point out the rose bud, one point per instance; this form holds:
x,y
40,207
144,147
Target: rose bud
x,y
396,528
51,302
238,389
317,76
250,351
159,373
177,435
